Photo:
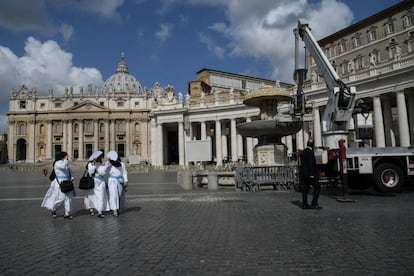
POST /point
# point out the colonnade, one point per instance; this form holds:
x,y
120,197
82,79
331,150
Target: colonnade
x,y
390,115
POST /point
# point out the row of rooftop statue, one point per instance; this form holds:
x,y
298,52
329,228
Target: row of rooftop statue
x,y
102,196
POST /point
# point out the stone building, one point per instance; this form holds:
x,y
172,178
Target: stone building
x,y
157,125
376,55
114,118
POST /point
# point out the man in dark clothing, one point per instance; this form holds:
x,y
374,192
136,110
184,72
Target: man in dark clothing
x,y
309,176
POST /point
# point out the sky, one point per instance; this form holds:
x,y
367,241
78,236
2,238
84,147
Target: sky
x,y
53,44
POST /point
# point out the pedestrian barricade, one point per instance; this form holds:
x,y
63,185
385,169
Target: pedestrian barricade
x,y
282,178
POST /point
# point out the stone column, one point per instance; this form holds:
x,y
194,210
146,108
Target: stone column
x,y
160,145
403,126
378,122
31,151
127,137
106,135
249,146
49,144
388,126
233,140
65,136
239,145
80,140
95,135
153,141
112,134
224,140
317,133
203,130
11,143
181,145
219,157
70,138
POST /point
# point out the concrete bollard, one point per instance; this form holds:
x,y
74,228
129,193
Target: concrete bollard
x,y
212,181
185,179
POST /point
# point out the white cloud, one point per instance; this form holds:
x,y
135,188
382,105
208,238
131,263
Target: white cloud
x,y
264,29
164,33
44,66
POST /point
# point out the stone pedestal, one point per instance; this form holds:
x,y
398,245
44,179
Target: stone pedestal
x,y
270,155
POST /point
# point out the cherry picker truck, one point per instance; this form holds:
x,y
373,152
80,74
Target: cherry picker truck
x,y
386,169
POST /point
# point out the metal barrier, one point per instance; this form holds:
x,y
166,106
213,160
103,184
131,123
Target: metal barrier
x,y
282,178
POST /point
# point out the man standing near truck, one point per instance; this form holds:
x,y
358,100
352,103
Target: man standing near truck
x,y
309,176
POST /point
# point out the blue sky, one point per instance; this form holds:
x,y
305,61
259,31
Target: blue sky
x,y
56,43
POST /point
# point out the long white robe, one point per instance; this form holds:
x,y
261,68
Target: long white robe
x,y
100,199
117,192
54,198
89,198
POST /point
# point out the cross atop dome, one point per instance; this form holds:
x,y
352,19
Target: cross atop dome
x,y
122,66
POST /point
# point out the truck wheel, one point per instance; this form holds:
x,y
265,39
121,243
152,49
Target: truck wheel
x,y
388,178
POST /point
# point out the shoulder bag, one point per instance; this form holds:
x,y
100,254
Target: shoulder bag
x,y
86,182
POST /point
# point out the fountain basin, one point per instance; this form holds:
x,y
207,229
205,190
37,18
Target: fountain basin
x,y
260,128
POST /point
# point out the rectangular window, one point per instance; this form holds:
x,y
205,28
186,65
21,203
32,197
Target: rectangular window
x,y
342,47
372,35
331,51
58,105
120,104
22,104
101,103
408,20
359,62
389,28
42,106
410,45
357,41
344,67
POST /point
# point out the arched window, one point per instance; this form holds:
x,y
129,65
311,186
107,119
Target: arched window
x,y
42,129
136,127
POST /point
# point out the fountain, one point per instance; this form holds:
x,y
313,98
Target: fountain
x,y
275,122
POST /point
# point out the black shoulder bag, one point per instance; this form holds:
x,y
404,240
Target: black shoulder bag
x,y
86,182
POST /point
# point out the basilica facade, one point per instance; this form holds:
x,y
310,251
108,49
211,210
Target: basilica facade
x,y
157,125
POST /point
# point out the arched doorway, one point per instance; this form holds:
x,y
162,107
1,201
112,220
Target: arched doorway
x,y
21,150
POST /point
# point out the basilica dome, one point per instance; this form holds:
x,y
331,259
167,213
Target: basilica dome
x,y
122,81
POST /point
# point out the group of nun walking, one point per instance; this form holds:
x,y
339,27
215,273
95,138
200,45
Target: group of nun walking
x,y
105,196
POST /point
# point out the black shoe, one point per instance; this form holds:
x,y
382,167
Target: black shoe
x,y
316,207
68,217
54,214
101,216
306,207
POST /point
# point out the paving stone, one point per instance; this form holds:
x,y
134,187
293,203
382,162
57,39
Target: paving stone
x,y
168,231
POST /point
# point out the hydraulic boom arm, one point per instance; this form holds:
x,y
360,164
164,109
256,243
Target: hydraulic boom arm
x,y
341,99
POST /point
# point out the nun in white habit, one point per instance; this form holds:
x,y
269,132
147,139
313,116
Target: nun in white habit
x,y
96,197
117,182
55,198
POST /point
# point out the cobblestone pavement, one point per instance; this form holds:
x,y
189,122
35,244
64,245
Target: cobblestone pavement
x,y
168,231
